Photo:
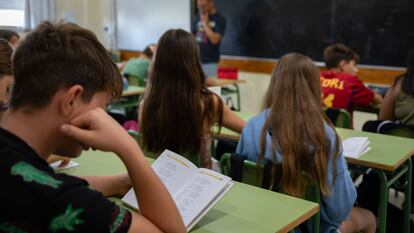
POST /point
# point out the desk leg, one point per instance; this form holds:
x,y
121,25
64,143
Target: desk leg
x,y
238,97
382,211
407,203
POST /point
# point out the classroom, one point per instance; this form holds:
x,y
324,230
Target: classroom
x,y
206,116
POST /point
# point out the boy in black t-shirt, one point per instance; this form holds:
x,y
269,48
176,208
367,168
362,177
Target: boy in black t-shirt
x,y
63,79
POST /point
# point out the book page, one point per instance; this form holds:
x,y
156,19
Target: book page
x,y
172,169
57,167
355,146
197,195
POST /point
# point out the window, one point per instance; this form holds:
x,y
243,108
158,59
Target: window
x,y
12,13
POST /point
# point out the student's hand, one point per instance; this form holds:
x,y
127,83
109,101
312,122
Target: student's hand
x,y
98,130
116,185
123,184
204,18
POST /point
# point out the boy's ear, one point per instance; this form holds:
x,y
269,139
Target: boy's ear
x,y
69,99
342,63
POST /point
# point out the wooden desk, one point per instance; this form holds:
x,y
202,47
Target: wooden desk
x,y
390,158
229,134
133,91
129,99
387,152
243,209
226,82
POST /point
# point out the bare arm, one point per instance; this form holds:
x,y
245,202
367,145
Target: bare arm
x,y
377,100
213,37
158,210
210,82
387,108
232,121
116,185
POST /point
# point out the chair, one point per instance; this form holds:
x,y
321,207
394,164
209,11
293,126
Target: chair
x,y
154,155
402,132
339,117
135,80
252,175
389,127
226,91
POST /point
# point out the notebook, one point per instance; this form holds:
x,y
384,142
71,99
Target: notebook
x,y
194,190
355,146
57,167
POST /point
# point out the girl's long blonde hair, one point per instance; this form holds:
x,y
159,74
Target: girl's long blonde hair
x,y
296,122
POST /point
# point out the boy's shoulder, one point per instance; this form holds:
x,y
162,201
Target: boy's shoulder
x,y
330,74
51,201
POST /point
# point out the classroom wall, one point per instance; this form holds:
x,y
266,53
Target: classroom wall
x,y
141,22
94,15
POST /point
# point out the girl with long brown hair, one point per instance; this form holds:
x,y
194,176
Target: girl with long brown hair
x,y
178,111
294,132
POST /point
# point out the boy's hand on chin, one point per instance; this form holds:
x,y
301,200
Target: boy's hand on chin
x,y
98,130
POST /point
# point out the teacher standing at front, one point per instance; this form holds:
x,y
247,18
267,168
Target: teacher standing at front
x,y
209,27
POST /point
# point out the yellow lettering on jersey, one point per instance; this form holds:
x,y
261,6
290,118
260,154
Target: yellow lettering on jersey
x,y
328,100
326,82
334,83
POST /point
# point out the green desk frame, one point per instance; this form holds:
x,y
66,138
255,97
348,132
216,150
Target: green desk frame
x,y
227,91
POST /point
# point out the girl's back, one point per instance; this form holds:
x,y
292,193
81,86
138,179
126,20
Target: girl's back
x,y
178,110
293,131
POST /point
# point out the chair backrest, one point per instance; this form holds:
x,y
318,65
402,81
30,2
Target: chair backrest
x,y
339,117
154,155
389,127
402,132
251,174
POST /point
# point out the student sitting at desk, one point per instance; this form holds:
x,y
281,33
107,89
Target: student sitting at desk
x,y
6,83
139,67
178,110
399,100
10,36
293,131
341,86
63,79
6,76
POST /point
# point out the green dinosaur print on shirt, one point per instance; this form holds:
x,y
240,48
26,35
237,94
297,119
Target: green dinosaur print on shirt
x,y
66,221
30,173
118,220
7,227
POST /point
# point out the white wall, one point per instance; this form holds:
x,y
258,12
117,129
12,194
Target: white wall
x,y
95,15
141,22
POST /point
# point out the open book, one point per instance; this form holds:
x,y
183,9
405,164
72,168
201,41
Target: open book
x,y
194,190
355,146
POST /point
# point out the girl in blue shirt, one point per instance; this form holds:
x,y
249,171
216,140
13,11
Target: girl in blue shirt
x,y
293,131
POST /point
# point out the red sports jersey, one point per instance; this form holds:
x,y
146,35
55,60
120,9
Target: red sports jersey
x,y
342,90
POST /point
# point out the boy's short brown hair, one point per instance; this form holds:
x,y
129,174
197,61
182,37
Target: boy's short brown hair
x,y
56,56
5,58
335,53
148,52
